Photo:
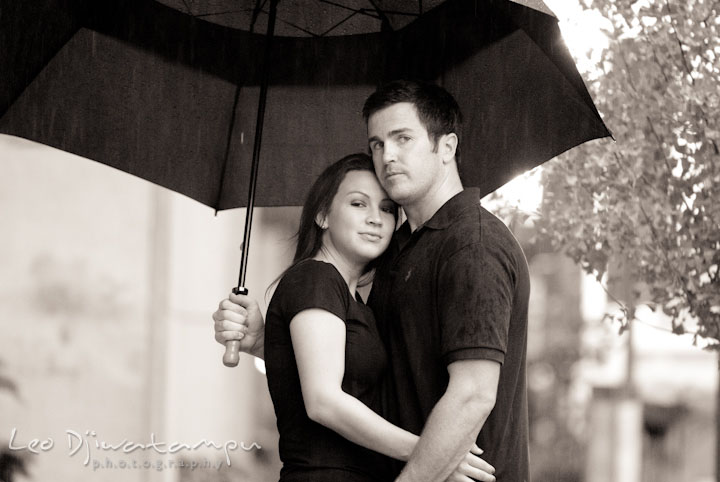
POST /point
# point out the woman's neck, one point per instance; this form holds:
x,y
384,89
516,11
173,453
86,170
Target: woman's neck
x,y
350,271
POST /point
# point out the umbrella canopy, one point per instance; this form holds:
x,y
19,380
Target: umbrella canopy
x,y
168,90
176,92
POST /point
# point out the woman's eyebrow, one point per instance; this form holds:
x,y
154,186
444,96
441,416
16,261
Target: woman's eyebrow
x,y
357,192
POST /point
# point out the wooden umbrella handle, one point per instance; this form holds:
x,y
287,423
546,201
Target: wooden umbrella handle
x,y
232,347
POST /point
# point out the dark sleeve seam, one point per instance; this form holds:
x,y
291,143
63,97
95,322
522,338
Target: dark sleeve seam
x,y
469,244
461,249
474,353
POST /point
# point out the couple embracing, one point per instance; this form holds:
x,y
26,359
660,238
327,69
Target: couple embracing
x,y
412,384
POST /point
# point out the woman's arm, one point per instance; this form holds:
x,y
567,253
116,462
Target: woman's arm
x,y
318,338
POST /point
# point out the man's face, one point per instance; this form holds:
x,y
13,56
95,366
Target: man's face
x,y
403,154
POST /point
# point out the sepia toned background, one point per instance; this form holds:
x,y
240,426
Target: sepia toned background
x,y
108,283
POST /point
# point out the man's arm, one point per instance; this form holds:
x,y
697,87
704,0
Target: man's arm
x,y
475,307
456,420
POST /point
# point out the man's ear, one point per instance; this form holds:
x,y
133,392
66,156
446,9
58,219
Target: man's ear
x,y
321,221
448,145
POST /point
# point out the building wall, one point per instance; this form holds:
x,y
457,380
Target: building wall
x,y
107,289
73,296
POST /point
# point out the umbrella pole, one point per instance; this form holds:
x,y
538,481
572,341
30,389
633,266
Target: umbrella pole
x,y
232,347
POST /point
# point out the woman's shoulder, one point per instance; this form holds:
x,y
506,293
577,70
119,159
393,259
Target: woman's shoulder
x,y
312,284
312,271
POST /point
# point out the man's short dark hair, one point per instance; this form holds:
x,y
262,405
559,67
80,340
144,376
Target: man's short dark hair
x,y
437,109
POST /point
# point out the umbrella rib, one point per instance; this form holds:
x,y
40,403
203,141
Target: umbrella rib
x,y
385,21
211,14
338,24
374,13
398,12
572,85
361,11
313,34
259,4
187,6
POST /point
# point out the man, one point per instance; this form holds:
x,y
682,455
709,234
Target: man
x,y
451,298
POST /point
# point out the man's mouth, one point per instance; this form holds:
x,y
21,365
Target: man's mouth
x,y
391,174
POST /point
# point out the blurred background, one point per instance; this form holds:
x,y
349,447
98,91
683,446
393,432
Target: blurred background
x,y
108,284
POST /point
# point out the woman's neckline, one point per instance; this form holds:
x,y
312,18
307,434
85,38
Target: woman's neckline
x,y
354,296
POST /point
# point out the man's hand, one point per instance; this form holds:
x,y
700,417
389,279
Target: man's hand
x,y
238,318
473,468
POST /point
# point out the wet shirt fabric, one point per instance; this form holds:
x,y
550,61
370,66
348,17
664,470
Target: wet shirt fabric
x,y
308,450
457,288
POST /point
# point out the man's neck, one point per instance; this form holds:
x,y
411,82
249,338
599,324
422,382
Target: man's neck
x,y
426,207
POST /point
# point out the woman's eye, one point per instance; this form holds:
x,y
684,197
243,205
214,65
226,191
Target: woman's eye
x,y
388,210
357,203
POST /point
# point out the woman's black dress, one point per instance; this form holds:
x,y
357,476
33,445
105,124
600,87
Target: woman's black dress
x,y
308,450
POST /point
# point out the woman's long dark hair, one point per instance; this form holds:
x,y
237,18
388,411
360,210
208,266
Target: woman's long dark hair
x,y
319,200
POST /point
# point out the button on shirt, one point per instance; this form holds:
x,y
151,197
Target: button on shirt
x,y
457,288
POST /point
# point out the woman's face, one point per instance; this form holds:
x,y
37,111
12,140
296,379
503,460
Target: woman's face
x,y
361,220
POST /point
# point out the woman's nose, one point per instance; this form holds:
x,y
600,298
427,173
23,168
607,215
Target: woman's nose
x,y
374,217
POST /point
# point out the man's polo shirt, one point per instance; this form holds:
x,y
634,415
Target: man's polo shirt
x,y
457,288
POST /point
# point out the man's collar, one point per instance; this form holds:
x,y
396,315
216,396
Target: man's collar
x,y
444,216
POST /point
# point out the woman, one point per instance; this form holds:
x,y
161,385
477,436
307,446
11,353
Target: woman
x,y
324,357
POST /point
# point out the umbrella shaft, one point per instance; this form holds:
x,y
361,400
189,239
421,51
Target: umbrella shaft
x,y
258,140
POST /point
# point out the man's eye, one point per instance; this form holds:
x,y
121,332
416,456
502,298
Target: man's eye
x,y
403,139
376,146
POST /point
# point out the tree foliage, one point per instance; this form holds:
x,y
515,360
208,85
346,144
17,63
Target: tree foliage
x,y
650,200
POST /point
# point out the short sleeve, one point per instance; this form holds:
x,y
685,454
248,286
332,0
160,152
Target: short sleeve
x,y
475,303
313,284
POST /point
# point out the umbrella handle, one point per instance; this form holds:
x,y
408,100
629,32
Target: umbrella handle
x,y
232,347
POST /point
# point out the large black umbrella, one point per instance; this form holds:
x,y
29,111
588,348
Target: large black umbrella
x,y
176,91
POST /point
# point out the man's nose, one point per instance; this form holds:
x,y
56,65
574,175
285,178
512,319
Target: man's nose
x,y
389,153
